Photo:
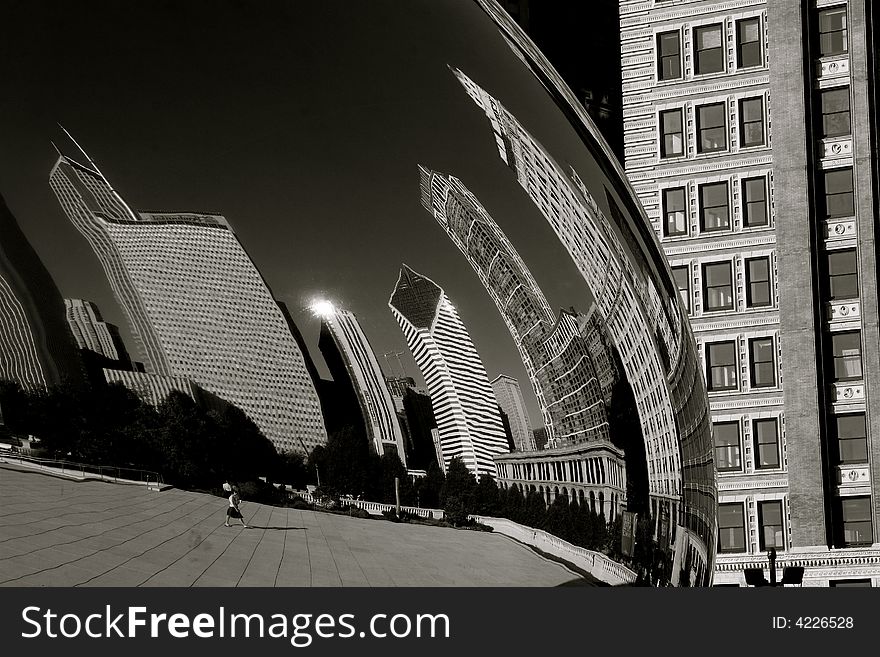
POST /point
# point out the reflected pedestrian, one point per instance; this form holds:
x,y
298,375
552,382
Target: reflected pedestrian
x,y
233,510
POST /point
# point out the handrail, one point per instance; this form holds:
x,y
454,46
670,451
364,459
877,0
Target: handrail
x,y
113,472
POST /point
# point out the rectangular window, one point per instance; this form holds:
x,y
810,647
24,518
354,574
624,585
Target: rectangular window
x,y
711,128
754,202
766,434
721,362
669,55
718,285
842,583
709,55
763,369
835,112
682,276
727,448
846,349
751,122
758,291
714,207
839,201
748,43
832,31
770,520
852,438
843,274
855,513
731,528
671,133
674,212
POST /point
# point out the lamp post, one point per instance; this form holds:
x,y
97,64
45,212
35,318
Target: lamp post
x,y
790,574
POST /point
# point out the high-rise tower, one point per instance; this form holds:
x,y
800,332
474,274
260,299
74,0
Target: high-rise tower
x,y
510,398
465,407
751,132
197,305
553,350
36,347
355,360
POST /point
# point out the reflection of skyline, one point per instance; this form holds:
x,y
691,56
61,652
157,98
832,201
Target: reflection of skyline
x,y
581,226
465,407
35,347
552,348
197,304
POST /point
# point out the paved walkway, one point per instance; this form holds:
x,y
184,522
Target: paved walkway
x,y
57,532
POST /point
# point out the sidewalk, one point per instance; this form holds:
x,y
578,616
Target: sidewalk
x,y
58,532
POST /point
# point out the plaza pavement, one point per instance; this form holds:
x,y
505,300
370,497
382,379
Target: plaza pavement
x,y
60,532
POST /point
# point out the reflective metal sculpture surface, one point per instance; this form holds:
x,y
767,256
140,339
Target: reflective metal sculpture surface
x,y
438,201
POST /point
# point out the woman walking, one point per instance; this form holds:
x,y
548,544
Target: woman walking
x,y
233,510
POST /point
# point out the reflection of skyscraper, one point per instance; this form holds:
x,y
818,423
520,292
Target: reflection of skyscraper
x,y
91,332
465,407
197,305
152,388
599,254
552,349
36,348
358,364
511,400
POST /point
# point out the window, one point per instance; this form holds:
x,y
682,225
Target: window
x,y
855,514
718,286
763,369
674,212
832,31
711,131
669,56
714,207
721,362
847,351
766,435
843,274
758,293
671,133
754,202
709,57
839,193
731,528
751,122
840,583
748,43
835,112
852,439
682,277
727,448
770,520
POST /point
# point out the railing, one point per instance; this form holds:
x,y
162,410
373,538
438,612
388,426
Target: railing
x,y
86,470
373,508
597,564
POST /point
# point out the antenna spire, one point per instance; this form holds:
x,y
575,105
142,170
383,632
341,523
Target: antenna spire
x,y
90,161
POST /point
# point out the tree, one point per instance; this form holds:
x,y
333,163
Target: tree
x,y
487,500
458,493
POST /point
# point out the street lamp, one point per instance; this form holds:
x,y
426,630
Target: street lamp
x,y
793,575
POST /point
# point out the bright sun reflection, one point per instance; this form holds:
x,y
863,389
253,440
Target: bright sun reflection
x,y
322,308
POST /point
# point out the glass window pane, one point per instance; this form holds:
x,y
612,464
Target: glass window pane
x,y
847,351
766,443
843,274
682,283
708,37
727,447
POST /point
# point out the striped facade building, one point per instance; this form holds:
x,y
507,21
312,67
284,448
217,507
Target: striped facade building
x,y
465,407
510,398
153,389
751,134
553,349
36,347
367,379
91,332
197,305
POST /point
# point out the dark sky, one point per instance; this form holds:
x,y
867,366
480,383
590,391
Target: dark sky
x,y
301,122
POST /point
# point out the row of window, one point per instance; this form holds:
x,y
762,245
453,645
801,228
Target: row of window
x,y
728,449
732,526
853,526
714,206
708,49
722,364
712,127
849,444
718,291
